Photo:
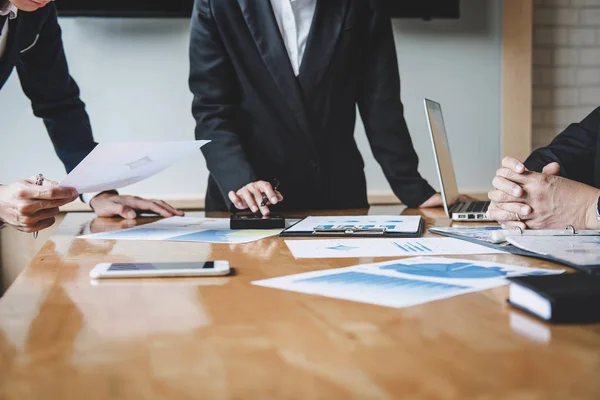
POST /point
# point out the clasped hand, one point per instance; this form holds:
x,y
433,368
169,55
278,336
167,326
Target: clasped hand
x,y
527,199
31,208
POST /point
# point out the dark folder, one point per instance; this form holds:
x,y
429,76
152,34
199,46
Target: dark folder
x,y
565,298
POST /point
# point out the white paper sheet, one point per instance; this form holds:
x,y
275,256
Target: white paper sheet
x,y
185,229
403,283
115,165
581,250
348,248
392,223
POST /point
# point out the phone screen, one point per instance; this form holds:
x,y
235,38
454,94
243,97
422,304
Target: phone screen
x,y
161,266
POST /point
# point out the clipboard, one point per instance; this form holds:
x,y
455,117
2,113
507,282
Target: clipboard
x,y
380,226
490,236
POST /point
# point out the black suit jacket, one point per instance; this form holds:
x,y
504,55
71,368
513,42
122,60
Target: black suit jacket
x,y
35,48
264,122
576,149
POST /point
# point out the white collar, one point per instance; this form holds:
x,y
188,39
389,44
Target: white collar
x,y
9,9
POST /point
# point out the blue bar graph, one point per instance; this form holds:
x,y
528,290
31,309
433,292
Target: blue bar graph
x,y
413,248
365,281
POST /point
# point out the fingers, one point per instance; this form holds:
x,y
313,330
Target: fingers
x,y
253,195
38,226
516,208
258,198
513,225
513,164
137,203
113,208
237,201
498,196
267,189
502,216
507,186
29,207
551,169
29,221
169,208
248,198
48,191
279,196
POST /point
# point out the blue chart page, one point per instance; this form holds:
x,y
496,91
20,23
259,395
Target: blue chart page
x,y
403,283
397,224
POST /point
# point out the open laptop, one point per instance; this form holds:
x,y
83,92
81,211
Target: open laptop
x,y
455,209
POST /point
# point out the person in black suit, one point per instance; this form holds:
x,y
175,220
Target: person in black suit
x,y
276,85
557,186
30,40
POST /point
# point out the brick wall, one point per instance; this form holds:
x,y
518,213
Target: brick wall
x,y
566,64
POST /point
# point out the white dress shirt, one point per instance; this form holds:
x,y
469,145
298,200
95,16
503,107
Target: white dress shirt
x,y
6,8
294,18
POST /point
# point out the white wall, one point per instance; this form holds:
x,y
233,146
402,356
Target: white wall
x,y
133,77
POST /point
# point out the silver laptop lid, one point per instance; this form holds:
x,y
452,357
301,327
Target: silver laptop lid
x,y
441,151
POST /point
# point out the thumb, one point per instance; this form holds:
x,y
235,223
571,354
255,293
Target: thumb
x,y
112,209
551,169
127,212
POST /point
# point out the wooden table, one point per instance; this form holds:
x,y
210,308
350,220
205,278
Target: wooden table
x,y
61,337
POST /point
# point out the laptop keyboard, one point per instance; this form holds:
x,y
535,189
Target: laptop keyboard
x,y
478,206
473,207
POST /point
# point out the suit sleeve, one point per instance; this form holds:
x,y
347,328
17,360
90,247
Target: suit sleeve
x,y
382,113
216,93
574,149
54,95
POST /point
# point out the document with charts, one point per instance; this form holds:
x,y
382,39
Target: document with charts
x,y
115,165
187,229
351,248
390,225
578,251
403,283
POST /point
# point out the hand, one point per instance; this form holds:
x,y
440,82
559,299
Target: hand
x,y
437,201
546,201
507,205
32,208
261,249
251,196
100,225
110,204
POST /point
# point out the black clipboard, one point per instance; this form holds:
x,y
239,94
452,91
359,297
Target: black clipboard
x,y
353,232
509,248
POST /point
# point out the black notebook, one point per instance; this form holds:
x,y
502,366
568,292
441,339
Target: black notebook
x,y
565,298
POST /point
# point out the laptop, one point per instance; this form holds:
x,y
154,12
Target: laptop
x,y
455,209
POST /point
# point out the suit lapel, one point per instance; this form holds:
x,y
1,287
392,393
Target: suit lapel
x,y
7,61
263,27
322,40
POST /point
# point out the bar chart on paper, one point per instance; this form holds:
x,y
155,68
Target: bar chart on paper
x,y
349,248
403,283
413,248
378,289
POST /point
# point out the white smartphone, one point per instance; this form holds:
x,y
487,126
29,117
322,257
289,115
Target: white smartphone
x,y
160,269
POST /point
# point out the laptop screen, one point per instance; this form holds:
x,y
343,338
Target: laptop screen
x,y
441,150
